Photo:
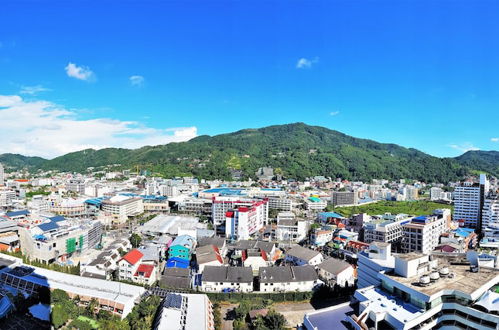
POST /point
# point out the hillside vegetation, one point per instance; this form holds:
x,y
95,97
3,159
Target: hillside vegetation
x,y
295,150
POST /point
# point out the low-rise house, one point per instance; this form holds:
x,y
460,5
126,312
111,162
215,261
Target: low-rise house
x,y
182,247
291,229
145,274
270,249
219,242
208,255
227,279
287,278
336,272
302,256
179,278
129,264
321,237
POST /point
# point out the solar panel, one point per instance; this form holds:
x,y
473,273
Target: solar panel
x,y
48,226
173,301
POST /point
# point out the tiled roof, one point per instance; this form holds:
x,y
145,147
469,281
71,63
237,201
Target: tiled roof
x,y
133,256
146,269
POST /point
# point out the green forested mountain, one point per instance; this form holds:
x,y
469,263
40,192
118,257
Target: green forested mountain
x,y
18,161
486,161
295,150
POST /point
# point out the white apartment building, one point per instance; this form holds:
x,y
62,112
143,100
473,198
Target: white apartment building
x,y
2,175
490,211
422,234
290,229
7,197
244,221
378,258
281,203
315,204
468,202
221,205
387,231
121,207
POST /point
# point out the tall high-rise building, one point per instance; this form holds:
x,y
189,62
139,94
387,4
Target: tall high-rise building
x,y
468,202
2,175
490,212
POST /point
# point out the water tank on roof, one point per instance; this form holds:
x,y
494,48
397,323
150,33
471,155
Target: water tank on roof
x,y
434,276
424,280
444,271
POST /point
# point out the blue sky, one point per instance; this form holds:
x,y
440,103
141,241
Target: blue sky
x,y
422,74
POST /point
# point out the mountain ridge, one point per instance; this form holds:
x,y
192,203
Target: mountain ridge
x,y
296,150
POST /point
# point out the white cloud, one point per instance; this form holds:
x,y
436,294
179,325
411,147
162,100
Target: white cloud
x,y
45,129
467,146
334,113
496,139
136,80
79,72
304,63
33,90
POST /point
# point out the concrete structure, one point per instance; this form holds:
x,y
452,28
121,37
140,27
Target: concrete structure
x,y
220,206
427,293
57,238
290,229
378,258
2,175
170,225
422,234
469,201
387,229
287,278
180,311
115,297
243,221
490,220
121,207
281,203
344,198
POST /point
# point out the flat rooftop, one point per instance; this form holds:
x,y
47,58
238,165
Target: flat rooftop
x,y
330,318
464,280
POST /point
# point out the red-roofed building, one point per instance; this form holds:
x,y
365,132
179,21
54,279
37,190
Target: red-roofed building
x,y
145,274
128,265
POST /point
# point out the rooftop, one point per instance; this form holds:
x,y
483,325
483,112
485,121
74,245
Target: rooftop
x,y
463,280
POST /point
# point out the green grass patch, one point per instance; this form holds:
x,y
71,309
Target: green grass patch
x,y
411,208
92,322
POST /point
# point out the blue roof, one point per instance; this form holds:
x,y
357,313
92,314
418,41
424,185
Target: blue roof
x,y
463,232
324,215
17,213
175,262
225,191
57,218
96,201
48,226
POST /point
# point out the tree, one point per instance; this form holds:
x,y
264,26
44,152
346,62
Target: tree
x,y
274,320
135,240
92,306
59,316
59,296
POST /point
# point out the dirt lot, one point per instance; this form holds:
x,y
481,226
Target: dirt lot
x,y
293,311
